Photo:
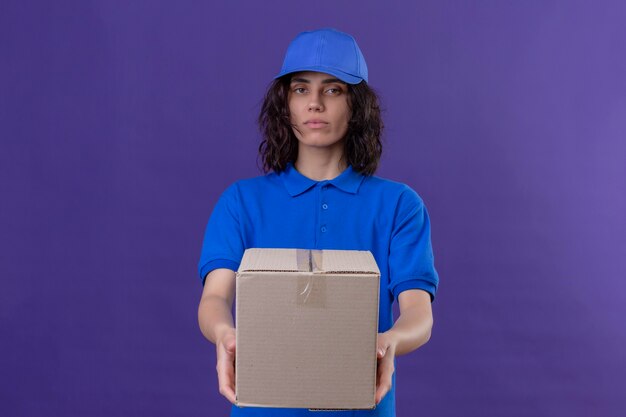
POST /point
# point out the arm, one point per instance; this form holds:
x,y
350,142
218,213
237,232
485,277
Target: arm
x,y
216,323
409,332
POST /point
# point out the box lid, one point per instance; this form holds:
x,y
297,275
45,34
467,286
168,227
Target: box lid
x,y
323,261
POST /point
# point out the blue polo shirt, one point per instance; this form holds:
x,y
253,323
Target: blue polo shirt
x,y
351,211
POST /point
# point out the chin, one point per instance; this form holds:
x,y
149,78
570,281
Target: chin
x,y
320,142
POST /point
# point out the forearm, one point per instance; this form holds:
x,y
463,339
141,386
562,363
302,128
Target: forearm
x,y
412,329
214,317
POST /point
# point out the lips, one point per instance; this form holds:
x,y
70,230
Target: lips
x,y
316,123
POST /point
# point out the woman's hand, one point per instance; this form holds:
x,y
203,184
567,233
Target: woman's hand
x,y
225,348
385,352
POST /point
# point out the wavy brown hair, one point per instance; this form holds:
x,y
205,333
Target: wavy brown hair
x,y
363,146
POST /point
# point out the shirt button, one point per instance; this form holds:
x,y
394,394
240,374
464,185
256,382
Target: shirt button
x,y
324,206
323,229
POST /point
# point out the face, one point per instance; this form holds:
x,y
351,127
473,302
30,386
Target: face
x,y
318,104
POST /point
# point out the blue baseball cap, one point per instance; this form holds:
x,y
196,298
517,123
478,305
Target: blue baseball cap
x,y
326,50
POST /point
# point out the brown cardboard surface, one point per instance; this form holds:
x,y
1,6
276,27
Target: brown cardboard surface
x,y
306,328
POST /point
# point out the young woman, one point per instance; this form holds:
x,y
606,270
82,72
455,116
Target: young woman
x,y
321,145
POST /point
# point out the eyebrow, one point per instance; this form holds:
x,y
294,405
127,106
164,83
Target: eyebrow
x,y
307,81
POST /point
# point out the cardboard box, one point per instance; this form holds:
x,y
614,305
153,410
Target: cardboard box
x,y
307,323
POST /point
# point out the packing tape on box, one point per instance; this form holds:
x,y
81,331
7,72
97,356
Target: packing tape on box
x,y
303,257
316,261
311,289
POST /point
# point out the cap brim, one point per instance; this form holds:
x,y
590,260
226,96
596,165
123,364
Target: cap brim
x,y
347,78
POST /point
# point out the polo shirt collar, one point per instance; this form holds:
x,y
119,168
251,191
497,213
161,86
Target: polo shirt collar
x,y
296,183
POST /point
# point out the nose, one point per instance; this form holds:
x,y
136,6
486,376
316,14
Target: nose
x,y
315,103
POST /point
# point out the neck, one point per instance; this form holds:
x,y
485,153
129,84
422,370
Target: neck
x,y
320,164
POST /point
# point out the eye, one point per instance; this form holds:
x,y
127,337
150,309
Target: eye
x,y
299,90
334,91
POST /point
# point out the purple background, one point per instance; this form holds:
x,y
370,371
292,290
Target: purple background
x,y
121,122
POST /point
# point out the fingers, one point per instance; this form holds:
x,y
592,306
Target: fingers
x,y
381,392
226,367
382,344
231,346
227,389
380,352
226,379
383,383
385,367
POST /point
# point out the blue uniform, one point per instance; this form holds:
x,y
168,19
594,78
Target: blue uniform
x,y
351,211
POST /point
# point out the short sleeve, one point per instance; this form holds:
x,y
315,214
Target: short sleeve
x,y
222,246
411,260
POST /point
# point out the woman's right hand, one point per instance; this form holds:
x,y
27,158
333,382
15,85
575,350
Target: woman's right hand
x,y
225,348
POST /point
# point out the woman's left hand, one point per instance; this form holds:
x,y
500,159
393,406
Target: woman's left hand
x,y
385,352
